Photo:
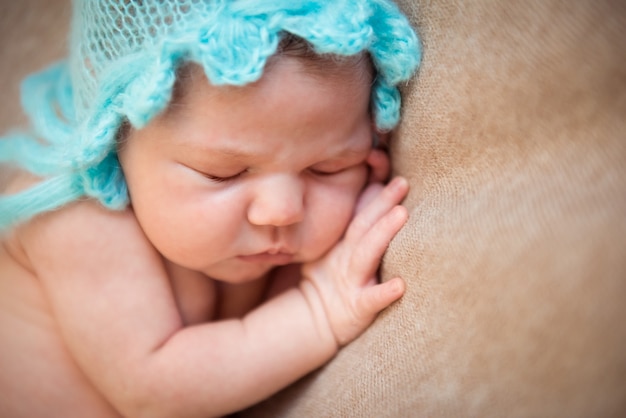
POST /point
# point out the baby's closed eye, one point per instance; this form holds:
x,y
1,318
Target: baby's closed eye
x,y
329,168
218,175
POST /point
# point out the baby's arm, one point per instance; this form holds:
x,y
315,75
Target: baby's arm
x,y
113,302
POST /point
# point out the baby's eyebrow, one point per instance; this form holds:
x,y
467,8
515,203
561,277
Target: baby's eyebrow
x,y
351,152
226,154
232,153
235,154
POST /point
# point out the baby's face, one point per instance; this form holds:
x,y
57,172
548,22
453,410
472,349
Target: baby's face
x,y
233,181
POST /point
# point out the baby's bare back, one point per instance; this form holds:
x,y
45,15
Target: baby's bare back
x,y
38,377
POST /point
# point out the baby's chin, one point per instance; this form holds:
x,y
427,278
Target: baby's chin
x,y
239,275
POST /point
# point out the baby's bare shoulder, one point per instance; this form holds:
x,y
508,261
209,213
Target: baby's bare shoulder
x,y
60,227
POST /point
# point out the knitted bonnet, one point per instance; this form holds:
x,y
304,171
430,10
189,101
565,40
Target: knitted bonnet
x,y
122,67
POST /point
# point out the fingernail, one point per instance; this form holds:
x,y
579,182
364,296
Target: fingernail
x,y
397,286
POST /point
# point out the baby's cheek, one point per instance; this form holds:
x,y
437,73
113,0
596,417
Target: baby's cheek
x,y
361,175
331,212
351,183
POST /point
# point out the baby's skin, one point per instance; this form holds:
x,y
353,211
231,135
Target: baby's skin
x,y
247,259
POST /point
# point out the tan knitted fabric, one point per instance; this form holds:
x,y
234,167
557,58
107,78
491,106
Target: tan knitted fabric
x,y
514,140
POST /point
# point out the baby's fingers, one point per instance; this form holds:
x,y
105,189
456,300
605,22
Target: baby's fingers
x,y
369,194
376,298
374,243
376,208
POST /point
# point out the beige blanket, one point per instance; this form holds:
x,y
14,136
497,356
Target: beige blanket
x,y
514,141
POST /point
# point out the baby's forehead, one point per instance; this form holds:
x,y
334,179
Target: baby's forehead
x,y
287,101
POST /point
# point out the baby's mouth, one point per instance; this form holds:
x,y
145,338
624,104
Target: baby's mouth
x,y
268,257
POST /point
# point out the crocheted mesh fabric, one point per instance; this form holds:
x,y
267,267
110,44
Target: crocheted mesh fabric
x,y
122,67
106,31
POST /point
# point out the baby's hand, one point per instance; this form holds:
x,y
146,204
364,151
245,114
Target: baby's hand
x,y
345,280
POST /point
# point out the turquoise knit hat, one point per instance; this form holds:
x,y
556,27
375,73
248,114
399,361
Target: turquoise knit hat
x,y
122,67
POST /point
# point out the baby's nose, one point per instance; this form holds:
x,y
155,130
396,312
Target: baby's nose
x,y
278,201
